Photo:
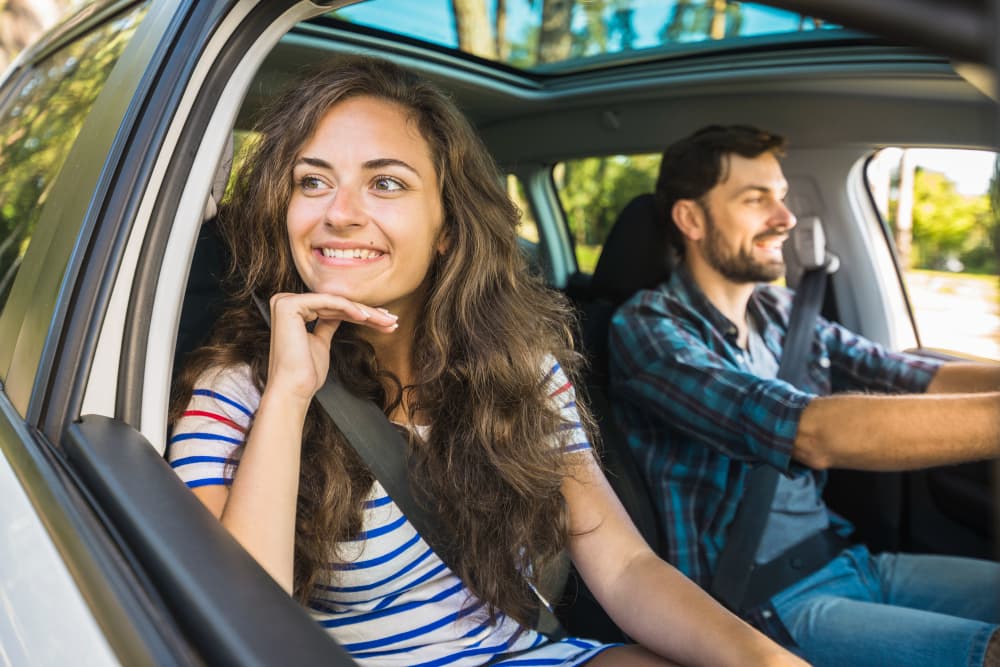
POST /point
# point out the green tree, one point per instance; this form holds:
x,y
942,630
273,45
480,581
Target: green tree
x,y
949,226
593,191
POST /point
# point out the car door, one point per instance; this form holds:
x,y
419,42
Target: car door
x,y
137,571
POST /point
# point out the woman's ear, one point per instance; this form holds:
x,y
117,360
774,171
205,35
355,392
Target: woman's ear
x,y
444,241
689,218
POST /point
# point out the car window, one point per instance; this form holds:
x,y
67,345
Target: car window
x,y
527,229
593,191
940,207
38,126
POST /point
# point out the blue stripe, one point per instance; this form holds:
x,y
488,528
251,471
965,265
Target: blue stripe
x,y
367,587
382,613
590,651
188,460
377,502
413,584
225,399
576,446
409,634
496,649
381,530
385,558
198,435
208,481
551,374
569,426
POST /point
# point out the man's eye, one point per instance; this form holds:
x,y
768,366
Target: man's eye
x,y
387,184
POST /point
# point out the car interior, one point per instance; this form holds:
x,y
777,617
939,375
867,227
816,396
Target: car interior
x,y
838,95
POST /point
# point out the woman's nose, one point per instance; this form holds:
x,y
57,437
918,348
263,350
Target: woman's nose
x,y
345,209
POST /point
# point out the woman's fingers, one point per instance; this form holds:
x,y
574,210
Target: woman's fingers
x,y
325,329
311,306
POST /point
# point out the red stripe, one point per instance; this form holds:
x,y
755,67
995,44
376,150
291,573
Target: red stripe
x,y
561,389
216,417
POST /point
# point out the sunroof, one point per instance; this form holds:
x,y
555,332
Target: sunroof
x,y
567,35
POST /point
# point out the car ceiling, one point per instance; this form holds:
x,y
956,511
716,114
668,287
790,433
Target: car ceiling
x,y
855,90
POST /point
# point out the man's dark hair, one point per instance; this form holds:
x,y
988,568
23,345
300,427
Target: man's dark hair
x,y
695,164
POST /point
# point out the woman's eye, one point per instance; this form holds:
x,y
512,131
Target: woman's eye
x,y
387,184
310,183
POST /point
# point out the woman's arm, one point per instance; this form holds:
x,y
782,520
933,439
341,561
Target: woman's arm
x,y
259,507
650,600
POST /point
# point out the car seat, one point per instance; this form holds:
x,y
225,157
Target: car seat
x,y
635,256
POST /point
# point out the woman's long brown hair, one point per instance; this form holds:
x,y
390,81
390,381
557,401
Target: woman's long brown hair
x,y
491,467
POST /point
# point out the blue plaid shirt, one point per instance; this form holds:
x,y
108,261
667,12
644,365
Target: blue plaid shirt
x,y
697,419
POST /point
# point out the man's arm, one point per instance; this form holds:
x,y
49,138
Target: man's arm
x,y
963,377
867,432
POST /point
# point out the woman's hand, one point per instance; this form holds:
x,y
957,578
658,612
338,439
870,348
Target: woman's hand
x,y
300,359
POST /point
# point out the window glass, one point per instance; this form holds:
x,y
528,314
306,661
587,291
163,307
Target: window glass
x,y
527,228
38,126
941,209
593,191
565,36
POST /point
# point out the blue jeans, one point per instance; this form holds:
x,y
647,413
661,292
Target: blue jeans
x,y
893,609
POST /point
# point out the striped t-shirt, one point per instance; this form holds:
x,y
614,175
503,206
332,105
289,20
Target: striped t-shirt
x,y
393,601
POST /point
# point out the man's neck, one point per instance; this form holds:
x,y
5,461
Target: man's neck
x,y
730,298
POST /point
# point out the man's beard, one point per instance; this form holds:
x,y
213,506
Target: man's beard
x,y
738,267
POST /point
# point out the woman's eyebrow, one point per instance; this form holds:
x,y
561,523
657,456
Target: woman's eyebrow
x,y
314,162
381,163
378,163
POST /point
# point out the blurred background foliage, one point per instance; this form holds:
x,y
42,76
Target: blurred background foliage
x,y
40,124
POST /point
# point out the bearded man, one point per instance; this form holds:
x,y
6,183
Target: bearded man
x,y
694,387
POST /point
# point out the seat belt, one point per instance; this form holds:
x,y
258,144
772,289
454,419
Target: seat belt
x,y
736,562
383,450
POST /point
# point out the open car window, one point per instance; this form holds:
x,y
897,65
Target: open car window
x,y
940,209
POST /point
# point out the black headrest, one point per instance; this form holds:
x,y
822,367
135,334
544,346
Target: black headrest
x,y
636,254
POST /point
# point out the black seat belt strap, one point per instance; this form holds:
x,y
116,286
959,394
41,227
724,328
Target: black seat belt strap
x,y
736,562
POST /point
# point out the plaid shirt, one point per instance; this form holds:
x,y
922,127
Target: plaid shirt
x,y
697,419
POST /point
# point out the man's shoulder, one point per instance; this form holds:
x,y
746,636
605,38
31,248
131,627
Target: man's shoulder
x,y
659,305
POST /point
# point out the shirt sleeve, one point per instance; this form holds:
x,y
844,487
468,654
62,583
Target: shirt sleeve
x,y
664,369
573,437
857,363
213,426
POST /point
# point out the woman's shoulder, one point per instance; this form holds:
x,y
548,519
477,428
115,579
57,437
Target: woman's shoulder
x,y
558,386
231,385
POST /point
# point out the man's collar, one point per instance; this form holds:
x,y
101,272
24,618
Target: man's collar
x,y
683,284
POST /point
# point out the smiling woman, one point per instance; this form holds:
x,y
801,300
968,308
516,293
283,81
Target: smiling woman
x,y
365,219
379,229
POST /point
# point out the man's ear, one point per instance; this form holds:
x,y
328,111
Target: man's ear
x,y
689,218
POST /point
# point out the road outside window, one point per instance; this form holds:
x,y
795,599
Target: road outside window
x,y
941,207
